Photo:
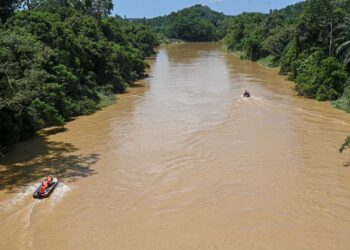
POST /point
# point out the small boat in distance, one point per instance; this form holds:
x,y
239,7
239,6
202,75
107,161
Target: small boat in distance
x,y
246,93
45,191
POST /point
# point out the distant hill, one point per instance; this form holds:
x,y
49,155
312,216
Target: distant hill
x,y
200,23
197,23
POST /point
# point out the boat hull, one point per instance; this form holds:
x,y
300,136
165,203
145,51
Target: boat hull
x,y
49,190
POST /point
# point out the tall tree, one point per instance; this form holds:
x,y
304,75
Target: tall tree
x,y
7,7
318,24
342,39
98,8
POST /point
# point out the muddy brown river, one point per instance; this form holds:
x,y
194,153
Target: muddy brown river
x,y
187,163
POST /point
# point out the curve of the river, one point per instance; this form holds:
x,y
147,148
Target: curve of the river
x,y
187,163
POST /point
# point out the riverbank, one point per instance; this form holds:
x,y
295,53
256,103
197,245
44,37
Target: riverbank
x,y
265,61
106,101
342,103
58,83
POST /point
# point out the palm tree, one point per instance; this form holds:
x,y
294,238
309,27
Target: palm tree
x,y
343,52
343,41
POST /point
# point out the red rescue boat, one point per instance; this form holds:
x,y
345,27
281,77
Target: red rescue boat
x,y
40,195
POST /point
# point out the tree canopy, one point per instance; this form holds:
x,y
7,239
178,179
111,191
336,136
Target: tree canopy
x,y
57,63
197,23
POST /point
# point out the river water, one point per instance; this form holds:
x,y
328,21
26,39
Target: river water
x,y
187,163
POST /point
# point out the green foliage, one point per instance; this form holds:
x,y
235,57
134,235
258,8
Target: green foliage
x,y
105,100
43,114
96,8
276,43
343,102
140,36
58,64
245,34
122,32
189,25
23,77
309,40
288,59
345,145
7,7
85,106
323,79
259,35
197,23
268,61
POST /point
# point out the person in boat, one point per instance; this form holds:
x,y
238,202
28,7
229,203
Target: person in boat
x,y
49,180
246,93
43,187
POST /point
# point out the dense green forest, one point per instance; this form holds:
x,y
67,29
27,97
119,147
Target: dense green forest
x,y
60,59
310,41
63,58
195,24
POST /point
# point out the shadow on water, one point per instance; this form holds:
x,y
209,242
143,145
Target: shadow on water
x,y
32,160
53,131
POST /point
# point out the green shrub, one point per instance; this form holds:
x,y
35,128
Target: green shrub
x,y
105,101
85,107
344,101
323,79
44,115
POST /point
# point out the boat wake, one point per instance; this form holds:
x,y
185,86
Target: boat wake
x,y
18,224
21,209
61,190
20,198
24,197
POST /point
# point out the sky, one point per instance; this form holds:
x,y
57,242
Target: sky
x,y
153,8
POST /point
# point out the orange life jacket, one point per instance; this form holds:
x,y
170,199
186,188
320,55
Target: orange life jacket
x,y
49,179
42,189
45,184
